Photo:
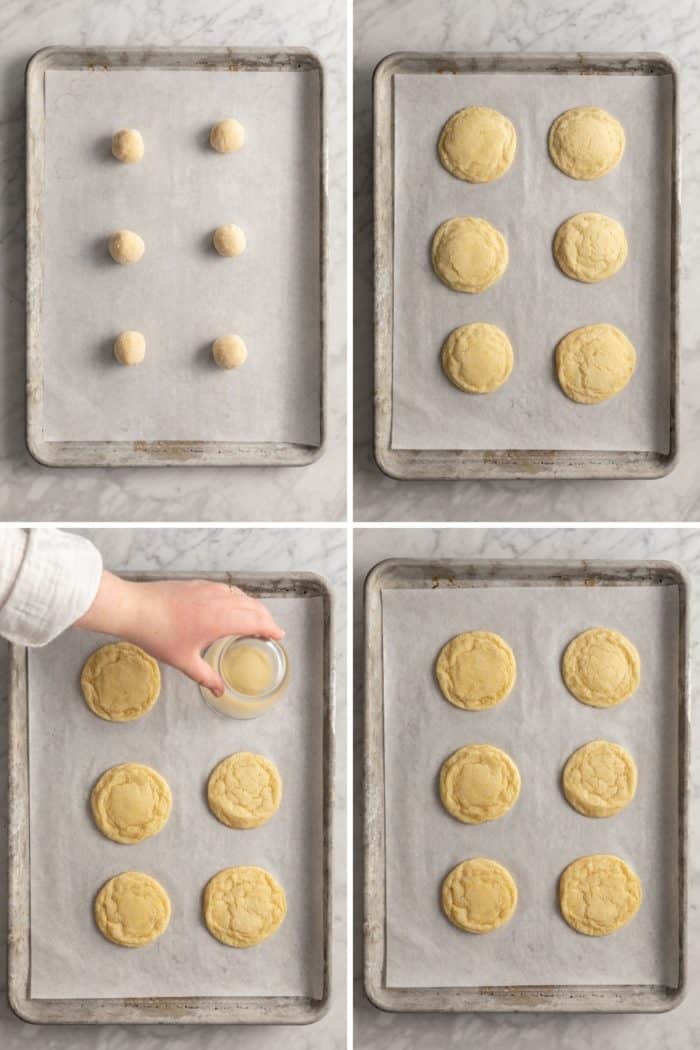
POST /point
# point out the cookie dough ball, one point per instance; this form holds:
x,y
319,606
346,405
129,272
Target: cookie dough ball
x,y
130,348
586,142
127,145
243,906
479,783
130,803
132,909
126,247
477,358
120,682
244,790
594,363
479,895
601,667
475,670
229,240
590,247
600,779
229,351
599,894
477,144
469,254
227,136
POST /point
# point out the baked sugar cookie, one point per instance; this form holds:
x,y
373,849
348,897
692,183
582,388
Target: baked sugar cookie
x,y
477,358
244,790
120,682
130,803
590,247
586,142
594,363
479,783
132,909
477,144
599,894
469,254
243,906
479,895
601,667
475,670
600,779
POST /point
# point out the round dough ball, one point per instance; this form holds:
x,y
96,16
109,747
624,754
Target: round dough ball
x,y
477,358
132,909
229,240
227,136
229,351
477,144
120,682
244,790
126,247
130,348
479,783
586,142
594,363
469,254
475,670
599,894
243,906
127,145
600,779
601,667
479,895
590,247
130,803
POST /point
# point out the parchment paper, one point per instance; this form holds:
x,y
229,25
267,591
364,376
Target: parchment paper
x,y
539,724
182,295
533,302
69,748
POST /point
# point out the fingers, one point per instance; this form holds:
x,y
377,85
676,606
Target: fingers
x,y
201,673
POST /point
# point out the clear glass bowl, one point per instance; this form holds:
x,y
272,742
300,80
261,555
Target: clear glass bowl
x,y
233,703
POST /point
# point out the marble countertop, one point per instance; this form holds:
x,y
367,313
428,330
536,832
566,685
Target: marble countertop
x,y
30,492
169,550
384,26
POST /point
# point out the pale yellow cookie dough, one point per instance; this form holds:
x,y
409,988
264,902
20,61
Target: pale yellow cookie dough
x,y
600,667
477,358
594,363
590,247
479,783
475,670
227,136
477,144
132,909
479,895
130,348
599,894
469,254
127,145
130,802
120,682
243,906
126,247
586,142
244,790
247,669
229,240
229,351
600,779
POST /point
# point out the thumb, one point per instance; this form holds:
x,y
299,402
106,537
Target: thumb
x,y
200,671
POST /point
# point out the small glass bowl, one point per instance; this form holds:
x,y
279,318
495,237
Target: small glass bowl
x,y
235,704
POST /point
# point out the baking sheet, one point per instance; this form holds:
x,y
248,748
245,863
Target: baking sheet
x,y
539,725
533,302
182,295
183,739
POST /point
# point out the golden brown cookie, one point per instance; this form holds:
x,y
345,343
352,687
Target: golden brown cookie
x,y
120,682
599,894
594,363
130,803
600,779
479,783
477,144
600,667
132,909
479,895
477,358
475,670
244,790
469,254
243,906
590,247
586,142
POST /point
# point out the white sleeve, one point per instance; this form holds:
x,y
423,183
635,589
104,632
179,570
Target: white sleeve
x,y
48,580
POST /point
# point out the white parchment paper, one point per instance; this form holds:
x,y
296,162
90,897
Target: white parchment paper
x,y
539,725
533,302
182,295
69,748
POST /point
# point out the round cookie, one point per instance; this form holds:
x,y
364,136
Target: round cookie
x,y
590,247
475,670
120,682
599,894
586,142
227,136
130,348
477,144
127,145
479,783
229,240
243,906
130,802
229,351
594,363
479,895
244,790
600,779
600,667
477,358
469,254
132,909
126,247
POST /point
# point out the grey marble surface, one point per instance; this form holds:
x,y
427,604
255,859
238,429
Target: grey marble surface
x,y
167,550
679,1029
384,26
30,492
